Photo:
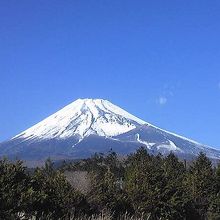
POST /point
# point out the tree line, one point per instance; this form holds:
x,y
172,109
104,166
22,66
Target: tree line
x,y
143,185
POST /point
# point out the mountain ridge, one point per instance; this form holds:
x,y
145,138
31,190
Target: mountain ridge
x,y
87,126
90,110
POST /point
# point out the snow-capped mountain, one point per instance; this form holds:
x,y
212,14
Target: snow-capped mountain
x,y
87,126
83,118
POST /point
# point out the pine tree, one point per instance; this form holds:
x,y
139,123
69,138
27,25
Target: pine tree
x,y
144,181
52,194
214,207
200,181
14,183
176,201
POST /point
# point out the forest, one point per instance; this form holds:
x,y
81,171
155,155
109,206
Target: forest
x,y
140,186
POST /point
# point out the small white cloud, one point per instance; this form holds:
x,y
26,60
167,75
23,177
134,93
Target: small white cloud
x,y
162,100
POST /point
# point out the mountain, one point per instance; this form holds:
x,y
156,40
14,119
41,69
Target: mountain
x,y
87,126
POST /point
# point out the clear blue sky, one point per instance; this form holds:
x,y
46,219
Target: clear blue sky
x,y
159,60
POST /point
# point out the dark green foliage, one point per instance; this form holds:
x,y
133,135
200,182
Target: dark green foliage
x,y
144,183
200,184
106,191
53,194
14,186
153,187
46,193
214,207
176,201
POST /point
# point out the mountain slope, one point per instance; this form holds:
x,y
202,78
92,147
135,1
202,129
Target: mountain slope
x,y
87,126
84,117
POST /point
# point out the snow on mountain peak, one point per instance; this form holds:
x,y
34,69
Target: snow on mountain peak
x,y
82,118
62,134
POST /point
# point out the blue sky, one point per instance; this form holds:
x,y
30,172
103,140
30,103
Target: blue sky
x,y
159,60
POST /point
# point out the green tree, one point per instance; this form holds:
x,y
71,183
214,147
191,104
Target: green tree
x,y
177,203
155,186
107,194
200,185
214,207
14,183
144,181
52,194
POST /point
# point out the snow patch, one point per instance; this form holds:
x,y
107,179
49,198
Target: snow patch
x,y
169,146
147,144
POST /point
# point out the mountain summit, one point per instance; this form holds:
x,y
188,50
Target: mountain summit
x,y
87,126
83,118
